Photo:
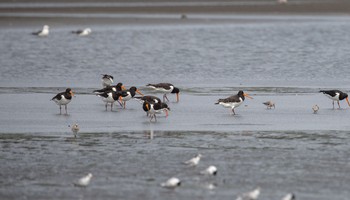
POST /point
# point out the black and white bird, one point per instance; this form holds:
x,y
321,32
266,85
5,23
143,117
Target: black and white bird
x,y
289,196
107,80
110,98
155,108
165,88
171,183
211,170
194,161
82,32
63,98
336,95
252,195
115,88
44,32
84,181
269,104
149,98
129,94
233,101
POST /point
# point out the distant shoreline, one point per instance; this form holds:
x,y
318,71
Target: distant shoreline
x,y
19,14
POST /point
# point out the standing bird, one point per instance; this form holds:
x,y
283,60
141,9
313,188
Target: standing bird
x,y
110,97
289,196
165,88
84,181
150,99
43,32
171,183
315,108
129,94
336,95
75,129
252,195
194,161
107,80
233,101
83,32
269,104
115,88
63,98
156,108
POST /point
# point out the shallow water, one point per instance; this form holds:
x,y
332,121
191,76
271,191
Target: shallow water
x,y
287,149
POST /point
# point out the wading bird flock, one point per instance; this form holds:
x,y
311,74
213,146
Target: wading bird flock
x,y
153,105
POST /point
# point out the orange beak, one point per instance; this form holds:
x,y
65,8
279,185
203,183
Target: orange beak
x,y
138,91
121,98
123,87
246,95
147,106
347,99
177,97
71,92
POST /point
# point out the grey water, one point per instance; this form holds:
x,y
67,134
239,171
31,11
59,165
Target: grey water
x,y
282,150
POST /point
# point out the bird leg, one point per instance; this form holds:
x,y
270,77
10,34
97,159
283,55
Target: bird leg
x,y
120,103
111,106
338,104
106,106
60,110
165,97
233,110
124,104
333,105
65,107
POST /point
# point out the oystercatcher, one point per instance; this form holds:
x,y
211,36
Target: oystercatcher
x,y
43,32
115,88
233,101
150,99
63,98
107,80
336,95
110,97
129,94
165,88
155,108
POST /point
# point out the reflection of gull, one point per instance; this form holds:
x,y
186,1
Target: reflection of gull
x,y
75,129
252,195
84,181
289,196
211,170
43,32
282,1
83,32
193,161
315,108
171,183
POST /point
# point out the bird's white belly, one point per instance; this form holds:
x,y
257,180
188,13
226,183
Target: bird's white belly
x,y
231,104
335,98
63,101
